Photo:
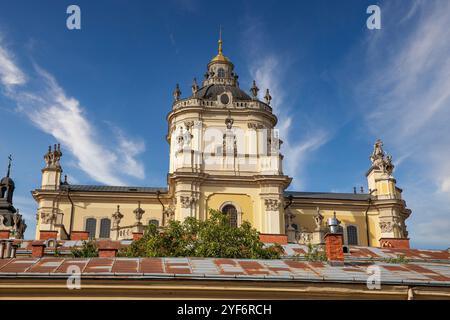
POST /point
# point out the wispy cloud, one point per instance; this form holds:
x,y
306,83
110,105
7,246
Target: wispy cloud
x,y
10,74
406,99
268,72
50,109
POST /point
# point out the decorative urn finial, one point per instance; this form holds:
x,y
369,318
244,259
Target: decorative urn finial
x,y
254,90
268,97
177,92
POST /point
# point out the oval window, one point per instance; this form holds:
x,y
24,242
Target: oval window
x,y
224,99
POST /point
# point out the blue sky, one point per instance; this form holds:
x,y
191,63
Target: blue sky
x,y
104,91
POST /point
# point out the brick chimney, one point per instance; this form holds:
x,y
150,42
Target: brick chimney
x,y
79,235
334,242
4,234
137,235
334,248
107,248
38,249
48,234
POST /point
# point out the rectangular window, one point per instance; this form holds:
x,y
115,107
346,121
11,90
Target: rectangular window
x,y
91,225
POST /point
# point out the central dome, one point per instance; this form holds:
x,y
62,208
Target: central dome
x,y
212,91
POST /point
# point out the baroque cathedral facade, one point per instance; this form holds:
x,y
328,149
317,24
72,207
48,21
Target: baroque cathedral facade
x,y
224,155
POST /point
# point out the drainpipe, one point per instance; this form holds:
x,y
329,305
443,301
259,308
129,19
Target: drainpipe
x,y
158,193
72,211
290,198
367,217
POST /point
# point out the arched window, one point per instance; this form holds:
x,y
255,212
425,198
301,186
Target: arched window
x,y
105,228
3,192
352,235
154,221
231,212
91,225
221,73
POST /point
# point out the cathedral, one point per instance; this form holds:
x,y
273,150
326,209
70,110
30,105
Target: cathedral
x,y
224,155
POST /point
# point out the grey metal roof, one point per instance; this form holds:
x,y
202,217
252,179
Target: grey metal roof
x,y
94,188
327,195
212,91
417,274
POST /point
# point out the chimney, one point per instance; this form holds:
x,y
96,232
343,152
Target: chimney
x,y
107,248
334,243
4,234
38,249
48,234
7,249
79,235
137,235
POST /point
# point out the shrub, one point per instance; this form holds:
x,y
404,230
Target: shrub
x,y
87,250
214,237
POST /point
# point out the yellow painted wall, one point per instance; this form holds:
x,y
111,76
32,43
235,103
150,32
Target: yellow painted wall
x,y
99,210
215,201
304,218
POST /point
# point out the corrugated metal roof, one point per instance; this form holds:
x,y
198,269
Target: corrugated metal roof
x,y
98,188
226,269
291,250
327,195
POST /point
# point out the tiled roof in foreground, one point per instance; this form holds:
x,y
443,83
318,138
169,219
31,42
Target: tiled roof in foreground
x,y
416,274
356,253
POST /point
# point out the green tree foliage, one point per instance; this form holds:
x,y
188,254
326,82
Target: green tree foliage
x,y
87,250
315,253
214,237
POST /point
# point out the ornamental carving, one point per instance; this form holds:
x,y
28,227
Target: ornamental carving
x,y
52,157
198,124
318,219
186,201
255,126
272,204
386,226
117,217
138,212
189,124
380,160
169,212
48,217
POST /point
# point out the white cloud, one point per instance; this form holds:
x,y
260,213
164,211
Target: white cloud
x,y
52,111
405,95
10,75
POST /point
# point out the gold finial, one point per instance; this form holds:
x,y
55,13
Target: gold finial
x,y
220,40
220,57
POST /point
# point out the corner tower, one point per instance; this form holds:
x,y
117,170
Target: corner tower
x,y
391,210
224,151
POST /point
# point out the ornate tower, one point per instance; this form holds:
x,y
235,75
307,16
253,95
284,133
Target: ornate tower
x,y
387,198
224,151
51,181
51,173
10,219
